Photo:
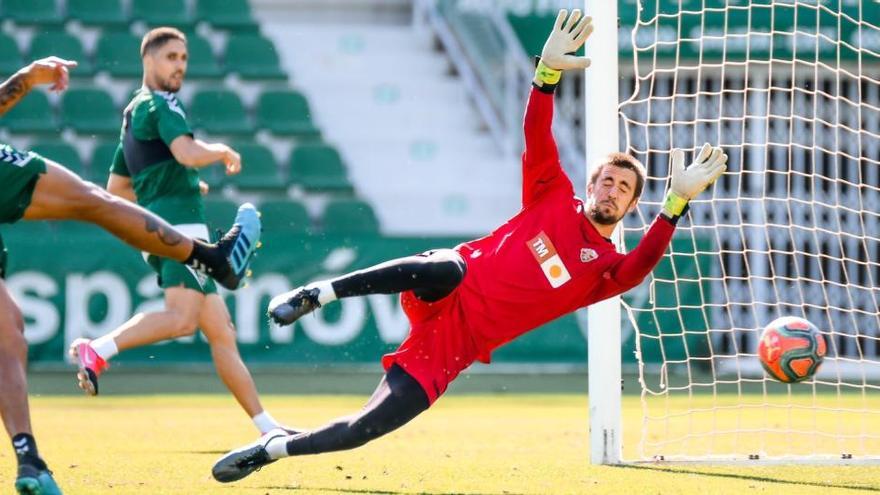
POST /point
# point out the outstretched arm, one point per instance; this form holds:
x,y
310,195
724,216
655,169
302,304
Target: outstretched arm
x,y
196,153
685,184
50,70
541,167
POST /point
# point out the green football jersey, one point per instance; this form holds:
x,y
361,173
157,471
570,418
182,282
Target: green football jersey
x,y
151,122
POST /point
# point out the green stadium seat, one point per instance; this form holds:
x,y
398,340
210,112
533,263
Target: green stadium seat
x,y
288,217
285,113
253,57
62,45
120,55
33,12
258,169
162,13
90,111
318,167
349,216
10,57
220,213
61,153
227,14
32,114
107,14
102,158
201,60
219,112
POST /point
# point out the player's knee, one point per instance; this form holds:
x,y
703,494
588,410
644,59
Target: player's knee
x,y
184,324
222,338
92,201
447,268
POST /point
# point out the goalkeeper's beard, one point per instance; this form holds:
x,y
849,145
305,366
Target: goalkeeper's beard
x,y
601,218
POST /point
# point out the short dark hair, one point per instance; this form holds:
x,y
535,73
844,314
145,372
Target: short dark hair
x,y
628,162
156,38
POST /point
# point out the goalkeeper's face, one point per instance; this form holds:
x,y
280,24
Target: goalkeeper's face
x,y
611,195
167,65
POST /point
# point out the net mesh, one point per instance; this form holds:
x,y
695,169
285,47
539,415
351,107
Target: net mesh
x,y
791,90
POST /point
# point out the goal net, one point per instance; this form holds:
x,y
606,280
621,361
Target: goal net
x,y
791,90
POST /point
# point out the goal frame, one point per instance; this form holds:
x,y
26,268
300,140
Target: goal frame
x,y
601,134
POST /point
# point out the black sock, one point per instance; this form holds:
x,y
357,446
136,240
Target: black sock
x,y
398,399
26,450
206,258
432,275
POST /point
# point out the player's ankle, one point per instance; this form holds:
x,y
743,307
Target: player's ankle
x,y
277,448
26,451
326,293
265,422
207,258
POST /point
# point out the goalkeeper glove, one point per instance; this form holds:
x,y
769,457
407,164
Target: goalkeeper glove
x,y
686,183
558,53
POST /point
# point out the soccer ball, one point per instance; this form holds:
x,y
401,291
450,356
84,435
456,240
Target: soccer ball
x,y
791,349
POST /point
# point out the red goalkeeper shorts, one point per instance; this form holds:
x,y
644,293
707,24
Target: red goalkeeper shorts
x,y
438,346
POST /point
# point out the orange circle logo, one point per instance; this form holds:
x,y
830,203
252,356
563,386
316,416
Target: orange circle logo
x,y
555,271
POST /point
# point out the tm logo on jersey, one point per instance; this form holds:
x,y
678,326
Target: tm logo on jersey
x,y
548,258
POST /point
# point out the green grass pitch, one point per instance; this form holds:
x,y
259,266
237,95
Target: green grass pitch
x,y
471,442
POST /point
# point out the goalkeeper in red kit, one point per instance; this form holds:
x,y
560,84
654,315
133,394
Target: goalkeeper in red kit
x,y
550,259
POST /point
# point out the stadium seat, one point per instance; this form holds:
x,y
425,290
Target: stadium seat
x,y
285,113
62,153
119,54
349,216
102,159
32,114
219,112
107,14
227,14
289,217
32,12
220,213
201,60
258,169
162,13
90,111
63,45
10,58
318,167
253,57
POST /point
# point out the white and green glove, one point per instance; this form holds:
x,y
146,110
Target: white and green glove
x,y
565,39
687,183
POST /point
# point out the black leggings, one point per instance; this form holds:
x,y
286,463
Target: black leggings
x,y
431,276
398,399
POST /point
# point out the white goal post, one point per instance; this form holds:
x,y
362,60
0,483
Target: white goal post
x,y
791,90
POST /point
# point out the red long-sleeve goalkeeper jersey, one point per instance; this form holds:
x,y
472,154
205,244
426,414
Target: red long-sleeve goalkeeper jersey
x,y
548,260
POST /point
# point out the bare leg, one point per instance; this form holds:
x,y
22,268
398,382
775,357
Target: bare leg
x,y
13,360
180,318
216,323
62,195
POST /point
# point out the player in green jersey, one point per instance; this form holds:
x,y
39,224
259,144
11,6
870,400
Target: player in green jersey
x,y
35,188
156,164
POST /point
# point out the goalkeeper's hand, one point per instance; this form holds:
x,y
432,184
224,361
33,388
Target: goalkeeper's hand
x,y
687,183
568,35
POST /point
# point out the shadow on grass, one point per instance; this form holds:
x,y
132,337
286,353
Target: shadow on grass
x,y
380,492
748,477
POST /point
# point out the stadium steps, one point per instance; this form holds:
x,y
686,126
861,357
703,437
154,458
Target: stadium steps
x,y
386,113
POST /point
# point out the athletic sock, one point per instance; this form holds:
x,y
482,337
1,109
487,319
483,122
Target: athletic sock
x,y
277,447
326,293
105,347
206,257
26,451
265,422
